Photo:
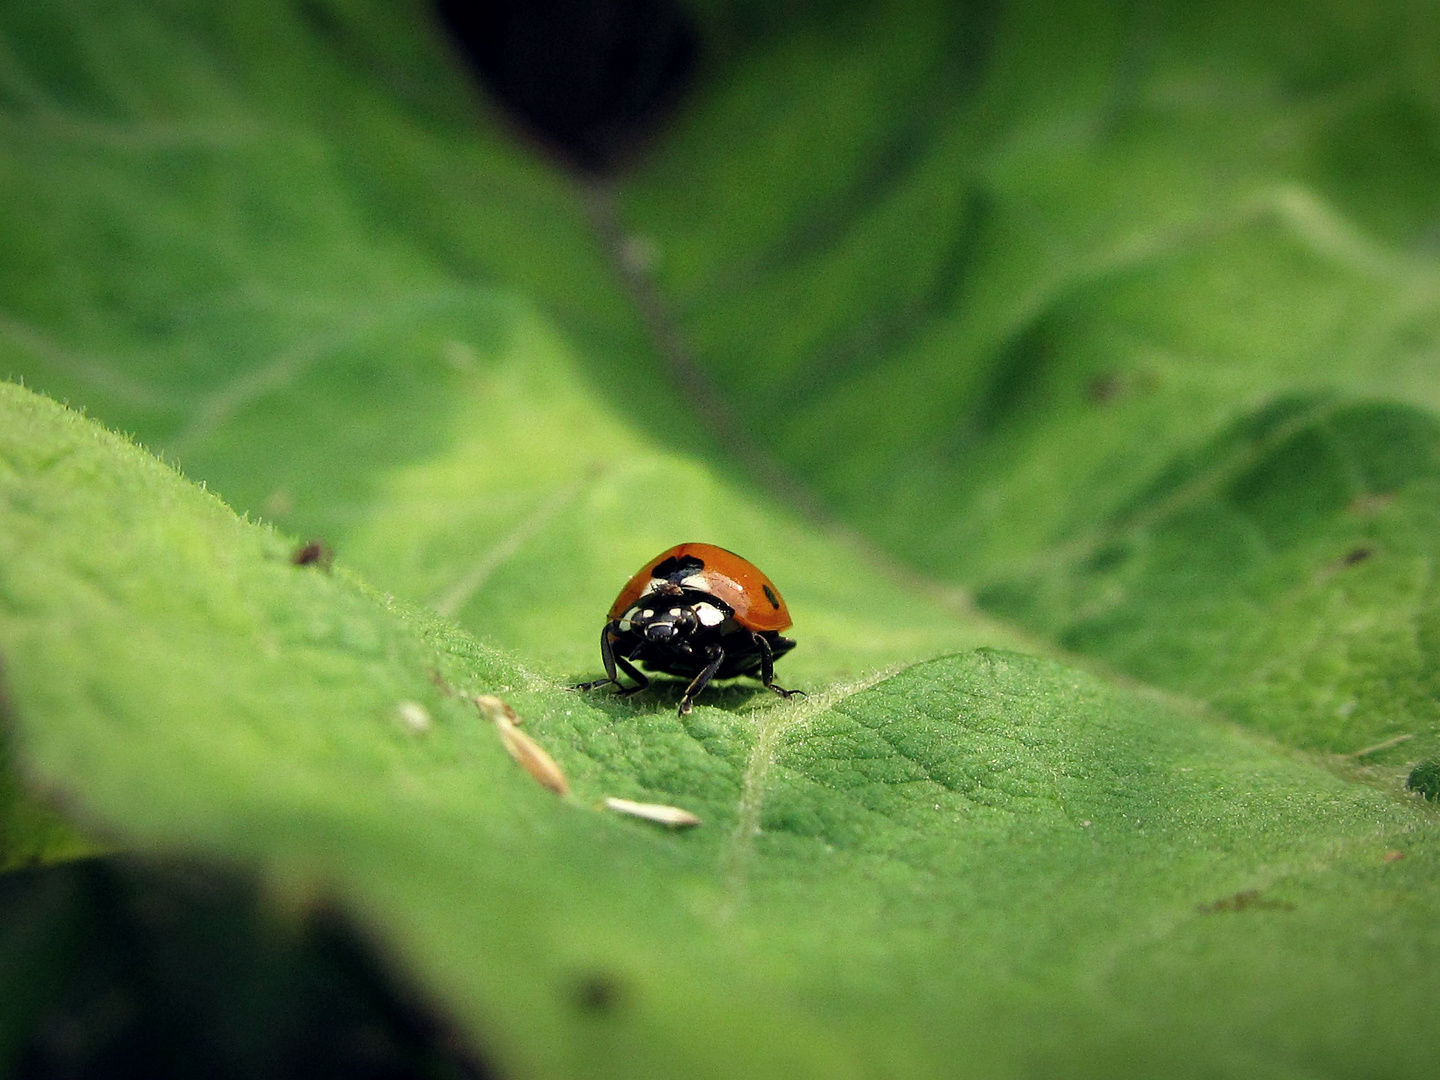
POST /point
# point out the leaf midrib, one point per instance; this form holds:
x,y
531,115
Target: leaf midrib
x,y
776,724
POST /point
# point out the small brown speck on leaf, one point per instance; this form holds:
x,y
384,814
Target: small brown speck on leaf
x,y
315,553
1244,900
1103,388
1393,856
598,992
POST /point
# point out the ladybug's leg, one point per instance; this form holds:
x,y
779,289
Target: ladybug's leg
x,y
717,657
607,657
641,682
767,668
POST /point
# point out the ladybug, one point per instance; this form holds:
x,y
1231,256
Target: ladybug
x,y
700,612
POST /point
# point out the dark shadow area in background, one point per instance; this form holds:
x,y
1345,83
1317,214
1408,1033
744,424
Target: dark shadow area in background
x,y
114,967
592,79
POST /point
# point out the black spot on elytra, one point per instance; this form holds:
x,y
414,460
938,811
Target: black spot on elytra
x,y
677,569
770,595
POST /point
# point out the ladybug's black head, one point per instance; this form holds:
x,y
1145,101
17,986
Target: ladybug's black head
x,y
670,616
663,620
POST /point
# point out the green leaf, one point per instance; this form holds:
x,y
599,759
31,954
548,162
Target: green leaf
x,y
31,831
893,875
1121,323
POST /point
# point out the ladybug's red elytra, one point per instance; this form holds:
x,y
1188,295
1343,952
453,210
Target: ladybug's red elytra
x,y
700,612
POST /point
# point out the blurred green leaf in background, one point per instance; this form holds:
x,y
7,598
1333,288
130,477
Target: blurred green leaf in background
x,y
1073,368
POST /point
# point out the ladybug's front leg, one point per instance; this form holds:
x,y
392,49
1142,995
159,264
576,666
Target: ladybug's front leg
x,y
609,659
767,668
717,657
641,682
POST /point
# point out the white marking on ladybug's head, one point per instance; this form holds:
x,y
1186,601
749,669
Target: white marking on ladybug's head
x,y
651,585
709,614
648,613
696,581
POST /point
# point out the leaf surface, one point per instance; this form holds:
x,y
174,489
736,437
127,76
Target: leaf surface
x,y
1085,314
890,876
1126,321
